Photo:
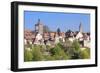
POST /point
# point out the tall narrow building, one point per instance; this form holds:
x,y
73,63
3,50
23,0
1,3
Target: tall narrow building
x,y
80,28
39,27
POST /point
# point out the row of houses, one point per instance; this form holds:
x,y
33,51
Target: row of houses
x,y
49,38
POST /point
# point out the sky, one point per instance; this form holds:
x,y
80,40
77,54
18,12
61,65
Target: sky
x,y
55,20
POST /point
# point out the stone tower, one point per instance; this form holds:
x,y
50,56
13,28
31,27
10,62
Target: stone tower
x,y
80,28
39,27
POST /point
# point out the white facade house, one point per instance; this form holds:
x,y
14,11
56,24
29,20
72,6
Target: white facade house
x,y
87,43
71,39
79,35
57,40
38,39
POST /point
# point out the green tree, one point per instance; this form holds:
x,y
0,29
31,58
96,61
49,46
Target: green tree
x,y
58,52
27,55
37,53
67,45
76,50
85,54
76,45
49,57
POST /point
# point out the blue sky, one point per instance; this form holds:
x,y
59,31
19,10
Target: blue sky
x,y
54,20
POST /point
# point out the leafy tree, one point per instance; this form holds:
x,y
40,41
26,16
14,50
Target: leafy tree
x,y
76,55
61,51
27,55
37,54
76,45
85,54
48,57
58,52
76,50
67,44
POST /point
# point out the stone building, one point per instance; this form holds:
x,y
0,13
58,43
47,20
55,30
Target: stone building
x,y
39,27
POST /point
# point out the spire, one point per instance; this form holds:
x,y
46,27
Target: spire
x,y
80,27
38,21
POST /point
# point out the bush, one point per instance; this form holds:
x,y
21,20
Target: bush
x,y
74,52
76,55
68,44
48,57
85,54
37,54
58,53
76,45
61,51
27,55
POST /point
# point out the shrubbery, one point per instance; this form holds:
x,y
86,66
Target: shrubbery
x,y
58,52
27,55
37,54
61,51
85,54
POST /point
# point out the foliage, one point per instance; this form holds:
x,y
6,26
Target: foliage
x,y
27,55
85,54
48,57
75,50
61,51
58,52
76,45
37,54
67,45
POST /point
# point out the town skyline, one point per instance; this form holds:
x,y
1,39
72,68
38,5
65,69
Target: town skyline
x,y
64,21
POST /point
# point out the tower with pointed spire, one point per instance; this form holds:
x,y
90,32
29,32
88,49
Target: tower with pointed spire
x,y
80,28
39,27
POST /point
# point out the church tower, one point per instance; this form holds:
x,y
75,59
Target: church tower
x,y
80,28
39,27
